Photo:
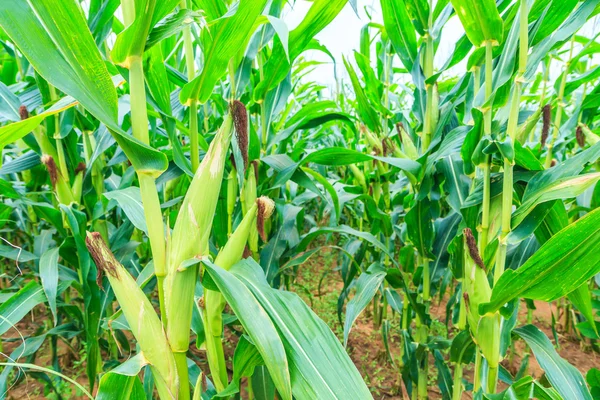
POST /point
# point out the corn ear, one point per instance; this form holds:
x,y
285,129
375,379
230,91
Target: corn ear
x,y
372,140
59,184
477,290
589,135
358,176
143,320
248,200
78,182
232,193
214,302
529,125
410,150
190,237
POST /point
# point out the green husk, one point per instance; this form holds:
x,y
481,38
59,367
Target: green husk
x,y
145,325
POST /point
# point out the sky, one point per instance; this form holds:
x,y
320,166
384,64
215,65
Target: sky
x,y
342,36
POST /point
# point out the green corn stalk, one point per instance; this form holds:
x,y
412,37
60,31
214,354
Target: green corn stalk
x,y
431,112
139,128
145,325
485,167
188,47
507,193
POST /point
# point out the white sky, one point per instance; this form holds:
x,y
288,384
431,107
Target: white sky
x,y
342,36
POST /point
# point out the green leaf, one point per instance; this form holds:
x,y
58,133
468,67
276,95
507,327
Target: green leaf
x,y
257,324
565,378
49,277
9,104
320,14
400,30
157,80
223,40
37,368
171,25
560,266
122,382
262,384
593,379
367,285
582,299
330,189
58,44
481,20
588,76
557,36
56,41
463,348
366,111
19,304
418,10
561,189
456,183
12,132
335,156
319,366
132,40
419,227
130,200
557,12
245,359
343,229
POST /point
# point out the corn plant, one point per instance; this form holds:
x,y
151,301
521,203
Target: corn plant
x,y
167,167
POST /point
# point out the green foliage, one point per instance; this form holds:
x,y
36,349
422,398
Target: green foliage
x,y
471,181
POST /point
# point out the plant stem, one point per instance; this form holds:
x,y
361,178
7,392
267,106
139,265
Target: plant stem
x,y
421,337
492,379
149,193
386,93
487,129
188,48
214,345
477,372
62,163
426,281
507,187
429,122
182,372
404,312
422,384
457,386
559,106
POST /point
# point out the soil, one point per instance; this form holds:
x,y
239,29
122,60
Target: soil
x,y
367,350
319,285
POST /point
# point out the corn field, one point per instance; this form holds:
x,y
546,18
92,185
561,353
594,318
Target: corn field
x,y
188,213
